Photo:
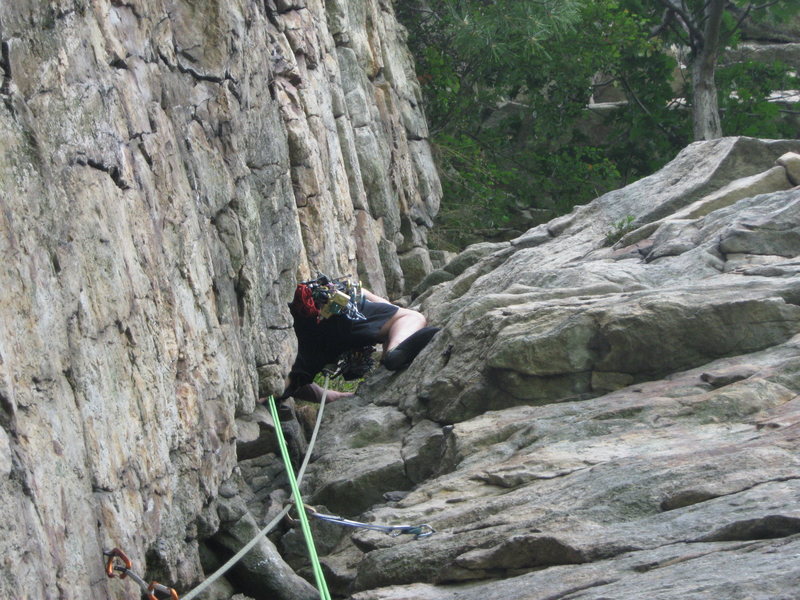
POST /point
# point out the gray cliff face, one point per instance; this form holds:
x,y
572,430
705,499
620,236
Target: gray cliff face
x,y
596,419
167,169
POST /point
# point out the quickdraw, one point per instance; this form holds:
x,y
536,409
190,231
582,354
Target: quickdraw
x,y
124,569
418,531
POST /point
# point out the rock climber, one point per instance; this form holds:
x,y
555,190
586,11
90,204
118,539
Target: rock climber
x,y
329,323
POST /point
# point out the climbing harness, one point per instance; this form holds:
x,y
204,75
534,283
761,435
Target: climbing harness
x,y
418,531
148,589
117,556
355,364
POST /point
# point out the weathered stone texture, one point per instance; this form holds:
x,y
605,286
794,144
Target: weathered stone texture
x,y
598,421
167,168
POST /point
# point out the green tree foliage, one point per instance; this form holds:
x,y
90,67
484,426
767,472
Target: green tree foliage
x,y
743,109
706,28
506,85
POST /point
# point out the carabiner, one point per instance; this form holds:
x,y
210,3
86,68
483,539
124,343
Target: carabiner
x,y
418,531
424,531
117,553
173,595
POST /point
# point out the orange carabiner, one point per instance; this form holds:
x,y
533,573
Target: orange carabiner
x,y
117,553
173,595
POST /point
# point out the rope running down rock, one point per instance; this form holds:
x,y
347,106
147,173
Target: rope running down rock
x,y
236,557
418,531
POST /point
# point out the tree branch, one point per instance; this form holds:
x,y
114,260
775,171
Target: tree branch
x,y
713,28
749,9
682,34
695,35
666,20
765,5
742,17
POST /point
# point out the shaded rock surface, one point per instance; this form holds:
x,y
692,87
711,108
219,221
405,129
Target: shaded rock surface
x,y
595,421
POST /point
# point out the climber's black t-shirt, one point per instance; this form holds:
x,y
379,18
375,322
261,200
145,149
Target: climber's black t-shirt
x,y
319,344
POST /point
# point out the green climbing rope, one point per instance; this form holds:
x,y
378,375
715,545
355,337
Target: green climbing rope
x,y
237,557
304,526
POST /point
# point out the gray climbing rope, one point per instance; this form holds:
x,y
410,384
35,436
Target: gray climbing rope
x,y
237,557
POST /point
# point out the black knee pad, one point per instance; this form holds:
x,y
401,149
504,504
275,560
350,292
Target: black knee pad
x,y
405,352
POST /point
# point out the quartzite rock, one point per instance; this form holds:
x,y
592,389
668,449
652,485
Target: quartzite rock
x,y
623,421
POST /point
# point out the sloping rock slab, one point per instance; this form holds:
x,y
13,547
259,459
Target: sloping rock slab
x,y
606,422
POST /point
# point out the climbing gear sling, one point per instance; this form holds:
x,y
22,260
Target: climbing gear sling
x,y
418,531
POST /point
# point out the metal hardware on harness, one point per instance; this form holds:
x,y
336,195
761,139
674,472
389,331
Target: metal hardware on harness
x,y
335,305
418,531
148,589
355,364
335,296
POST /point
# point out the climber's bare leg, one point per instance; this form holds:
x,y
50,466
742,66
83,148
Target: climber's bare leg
x,y
313,393
400,326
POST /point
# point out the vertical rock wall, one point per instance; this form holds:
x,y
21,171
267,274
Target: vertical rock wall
x,y
167,168
363,178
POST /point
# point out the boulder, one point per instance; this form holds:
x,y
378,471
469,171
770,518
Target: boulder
x,y
262,569
601,418
791,162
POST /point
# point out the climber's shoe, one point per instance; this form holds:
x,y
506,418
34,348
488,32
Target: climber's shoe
x,y
406,351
